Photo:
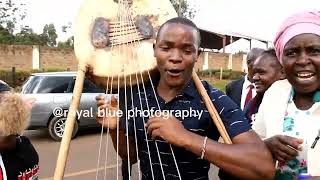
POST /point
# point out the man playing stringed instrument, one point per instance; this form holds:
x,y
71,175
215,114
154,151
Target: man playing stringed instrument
x,y
193,138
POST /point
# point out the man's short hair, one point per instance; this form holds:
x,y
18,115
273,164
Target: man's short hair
x,y
254,54
271,53
184,21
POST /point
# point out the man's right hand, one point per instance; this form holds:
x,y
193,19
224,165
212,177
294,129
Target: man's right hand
x,y
107,112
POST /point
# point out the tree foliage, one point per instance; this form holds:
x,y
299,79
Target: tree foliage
x,y
11,12
67,44
50,35
5,36
28,37
183,10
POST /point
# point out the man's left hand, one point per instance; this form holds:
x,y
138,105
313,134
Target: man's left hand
x,y
170,129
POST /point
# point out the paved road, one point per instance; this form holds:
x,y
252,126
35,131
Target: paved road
x,y
83,157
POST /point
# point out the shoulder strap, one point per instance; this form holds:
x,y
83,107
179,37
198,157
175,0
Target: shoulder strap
x,y
3,173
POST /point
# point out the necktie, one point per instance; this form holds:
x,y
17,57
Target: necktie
x,y
249,95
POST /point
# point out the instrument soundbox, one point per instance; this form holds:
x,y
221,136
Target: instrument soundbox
x,y
114,38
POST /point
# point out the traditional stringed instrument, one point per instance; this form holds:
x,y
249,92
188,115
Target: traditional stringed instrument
x,y
113,42
114,37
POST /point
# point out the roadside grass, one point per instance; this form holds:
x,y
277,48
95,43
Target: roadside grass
x,y
219,84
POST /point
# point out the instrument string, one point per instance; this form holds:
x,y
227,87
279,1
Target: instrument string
x,y
108,129
145,131
135,131
125,9
150,79
118,128
125,21
172,152
120,49
101,136
148,108
136,42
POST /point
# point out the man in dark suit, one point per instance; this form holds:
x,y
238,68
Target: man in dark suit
x,y
242,90
234,90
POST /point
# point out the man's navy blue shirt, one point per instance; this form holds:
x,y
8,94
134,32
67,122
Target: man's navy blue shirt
x,y
190,165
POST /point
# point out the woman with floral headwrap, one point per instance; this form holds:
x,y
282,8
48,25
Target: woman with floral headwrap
x,y
289,116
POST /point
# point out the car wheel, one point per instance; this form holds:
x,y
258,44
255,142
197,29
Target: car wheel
x,y
56,128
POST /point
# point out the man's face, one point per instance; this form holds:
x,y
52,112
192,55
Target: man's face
x,y
176,51
265,72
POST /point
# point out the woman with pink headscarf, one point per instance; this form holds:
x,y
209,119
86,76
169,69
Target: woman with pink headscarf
x,y
289,116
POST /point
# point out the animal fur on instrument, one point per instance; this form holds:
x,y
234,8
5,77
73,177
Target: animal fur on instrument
x,y
14,114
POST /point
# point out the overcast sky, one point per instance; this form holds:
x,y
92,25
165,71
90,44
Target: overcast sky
x,y
59,12
253,17
258,18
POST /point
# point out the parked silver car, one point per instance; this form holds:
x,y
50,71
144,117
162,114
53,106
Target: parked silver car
x,y
53,94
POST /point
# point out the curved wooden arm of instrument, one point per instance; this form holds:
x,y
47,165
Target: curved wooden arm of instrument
x,y
212,110
65,143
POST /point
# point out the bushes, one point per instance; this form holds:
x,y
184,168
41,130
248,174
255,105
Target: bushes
x,y
226,74
208,72
17,77
20,76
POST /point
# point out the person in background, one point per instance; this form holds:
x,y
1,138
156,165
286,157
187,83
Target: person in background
x,y
241,91
18,158
266,70
289,115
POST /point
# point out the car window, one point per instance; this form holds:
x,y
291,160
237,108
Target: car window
x,y
55,84
30,84
88,87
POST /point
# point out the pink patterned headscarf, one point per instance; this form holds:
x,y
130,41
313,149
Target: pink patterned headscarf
x,y
300,23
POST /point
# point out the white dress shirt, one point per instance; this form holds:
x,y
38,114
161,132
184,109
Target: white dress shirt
x,y
245,90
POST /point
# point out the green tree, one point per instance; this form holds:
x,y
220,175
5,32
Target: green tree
x,y
183,9
50,35
67,44
28,37
5,36
11,11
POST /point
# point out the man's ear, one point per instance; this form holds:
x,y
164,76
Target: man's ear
x,y
282,74
199,52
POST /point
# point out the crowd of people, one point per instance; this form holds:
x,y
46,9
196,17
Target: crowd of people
x,y
272,114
